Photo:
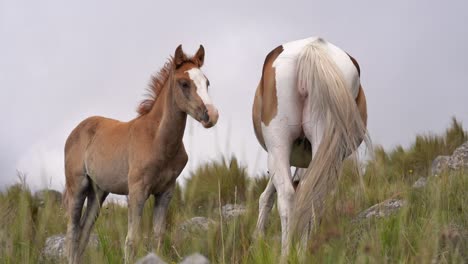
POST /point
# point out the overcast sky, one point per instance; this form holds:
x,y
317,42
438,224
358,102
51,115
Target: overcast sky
x,y
62,62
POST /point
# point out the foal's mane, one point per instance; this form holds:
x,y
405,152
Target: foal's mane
x,y
154,88
156,84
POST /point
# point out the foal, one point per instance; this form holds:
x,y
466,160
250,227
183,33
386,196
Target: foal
x,y
309,111
138,158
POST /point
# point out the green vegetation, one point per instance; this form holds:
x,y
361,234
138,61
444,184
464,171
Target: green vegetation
x,y
432,226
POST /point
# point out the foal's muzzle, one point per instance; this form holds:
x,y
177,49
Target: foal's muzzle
x,y
210,116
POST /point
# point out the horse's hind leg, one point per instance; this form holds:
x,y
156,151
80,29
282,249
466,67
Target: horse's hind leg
x,y
313,129
76,197
95,198
279,167
265,204
279,136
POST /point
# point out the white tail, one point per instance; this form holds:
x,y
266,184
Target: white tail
x,y
332,103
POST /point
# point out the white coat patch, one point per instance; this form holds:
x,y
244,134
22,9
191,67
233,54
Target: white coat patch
x,y
200,81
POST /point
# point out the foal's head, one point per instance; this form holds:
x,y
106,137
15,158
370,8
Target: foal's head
x,y
191,87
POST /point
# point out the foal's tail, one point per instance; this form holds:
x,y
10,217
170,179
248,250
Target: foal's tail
x,y
343,130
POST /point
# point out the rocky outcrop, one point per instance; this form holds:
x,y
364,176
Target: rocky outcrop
x,y
457,161
459,158
55,246
196,258
151,258
233,210
198,223
383,209
439,165
420,183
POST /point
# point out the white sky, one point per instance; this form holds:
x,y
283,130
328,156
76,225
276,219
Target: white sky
x,y
62,62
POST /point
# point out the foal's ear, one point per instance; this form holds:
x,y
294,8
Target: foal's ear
x,y
179,56
200,56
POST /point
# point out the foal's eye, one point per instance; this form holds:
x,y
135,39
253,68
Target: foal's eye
x,y
185,84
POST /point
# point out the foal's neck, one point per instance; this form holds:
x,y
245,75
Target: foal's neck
x,y
168,120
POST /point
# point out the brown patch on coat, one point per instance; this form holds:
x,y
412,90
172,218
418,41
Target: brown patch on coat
x,y
268,87
362,105
256,115
356,64
361,98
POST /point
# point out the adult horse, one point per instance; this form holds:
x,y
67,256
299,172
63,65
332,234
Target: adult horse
x,y
309,111
138,158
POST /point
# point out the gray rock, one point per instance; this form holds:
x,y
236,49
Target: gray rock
x,y
196,258
151,258
459,158
457,161
197,224
55,245
420,183
439,165
47,195
233,210
383,209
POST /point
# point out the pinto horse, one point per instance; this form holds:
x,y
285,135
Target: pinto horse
x,y
310,112
138,158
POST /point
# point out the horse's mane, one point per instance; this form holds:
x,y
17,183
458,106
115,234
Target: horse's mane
x,y
156,84
154,88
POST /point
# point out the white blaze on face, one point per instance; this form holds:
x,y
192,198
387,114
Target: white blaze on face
x,y
200,81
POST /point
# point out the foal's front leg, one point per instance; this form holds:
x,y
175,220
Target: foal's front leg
x,y
137,196
159,214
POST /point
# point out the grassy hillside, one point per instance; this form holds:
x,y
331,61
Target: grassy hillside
x,y
433,226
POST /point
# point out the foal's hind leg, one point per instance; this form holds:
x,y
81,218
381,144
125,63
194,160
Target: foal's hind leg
x,y
75,206
265,204
159,214
95,198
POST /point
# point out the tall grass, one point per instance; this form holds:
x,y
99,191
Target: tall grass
x,y
432,227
